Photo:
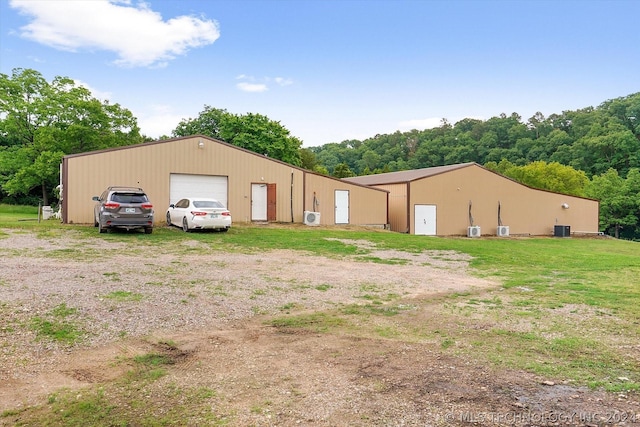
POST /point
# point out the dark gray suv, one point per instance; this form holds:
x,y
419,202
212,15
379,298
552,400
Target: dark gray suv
x,y
123,207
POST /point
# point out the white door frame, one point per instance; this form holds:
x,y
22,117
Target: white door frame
x,y
342,206
425,220
258,202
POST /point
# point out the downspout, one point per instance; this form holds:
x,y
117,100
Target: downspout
x,y
63,193
388,226
304,191
408,208
292,196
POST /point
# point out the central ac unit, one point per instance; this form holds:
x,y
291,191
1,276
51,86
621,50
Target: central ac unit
x,y
503,230
311,218
473,231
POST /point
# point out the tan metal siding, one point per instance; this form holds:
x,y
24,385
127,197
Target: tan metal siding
x,y
523,209
367,206
397,206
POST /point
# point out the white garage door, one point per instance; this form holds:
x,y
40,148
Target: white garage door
x,y
210,186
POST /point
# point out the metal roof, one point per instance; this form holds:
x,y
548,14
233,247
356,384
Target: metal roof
x,y
405,176
218,141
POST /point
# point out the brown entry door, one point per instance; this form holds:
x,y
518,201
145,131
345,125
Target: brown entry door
x,y
271,202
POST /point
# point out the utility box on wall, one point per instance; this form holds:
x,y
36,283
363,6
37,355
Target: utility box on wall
x,y
561,230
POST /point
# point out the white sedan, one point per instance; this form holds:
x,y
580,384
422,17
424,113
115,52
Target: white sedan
x,y
199,213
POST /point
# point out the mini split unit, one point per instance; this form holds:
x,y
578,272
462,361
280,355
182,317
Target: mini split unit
x,y
473,231
311,218
503,231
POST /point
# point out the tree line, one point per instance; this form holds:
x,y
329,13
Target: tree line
x,y
592,140
591,152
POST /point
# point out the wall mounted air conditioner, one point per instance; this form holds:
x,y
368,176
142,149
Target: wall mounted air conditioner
x,y
503,231
311,218
473,231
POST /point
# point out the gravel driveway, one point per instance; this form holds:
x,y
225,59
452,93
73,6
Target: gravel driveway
x,y
127,301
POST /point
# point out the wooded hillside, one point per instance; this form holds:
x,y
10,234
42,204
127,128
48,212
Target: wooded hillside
x,y
591,139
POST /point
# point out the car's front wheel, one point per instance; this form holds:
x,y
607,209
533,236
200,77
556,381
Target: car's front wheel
x,y
169,219
185,225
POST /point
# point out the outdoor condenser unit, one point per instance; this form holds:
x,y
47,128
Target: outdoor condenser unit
x,y
503,231
562,231
311,218
473,231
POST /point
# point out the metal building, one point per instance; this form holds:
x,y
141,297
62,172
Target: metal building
x,y
468,199
252,186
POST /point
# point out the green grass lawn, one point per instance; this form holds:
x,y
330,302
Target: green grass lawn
x,y
11,215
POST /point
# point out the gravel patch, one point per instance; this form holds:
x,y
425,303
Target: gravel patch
x,y
117,295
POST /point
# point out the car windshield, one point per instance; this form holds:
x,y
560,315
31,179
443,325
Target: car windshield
x,y
207,204
128,198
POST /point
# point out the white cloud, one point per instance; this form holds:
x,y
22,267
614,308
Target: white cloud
x,y
252,87
101,95
137,35
36,59
250,83
283,81
159,120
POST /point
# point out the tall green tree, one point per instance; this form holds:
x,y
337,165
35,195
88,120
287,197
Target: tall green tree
x,y
619,201
342,171
209,123
549,176
40,122
626,110
611,145
254,132
308,159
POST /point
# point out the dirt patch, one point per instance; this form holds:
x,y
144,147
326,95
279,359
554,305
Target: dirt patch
x,y
212,306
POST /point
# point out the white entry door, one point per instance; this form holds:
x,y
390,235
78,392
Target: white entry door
x,y
258,202
425,220
342,206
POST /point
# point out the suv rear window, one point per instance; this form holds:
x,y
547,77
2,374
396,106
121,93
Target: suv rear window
x,y
128,198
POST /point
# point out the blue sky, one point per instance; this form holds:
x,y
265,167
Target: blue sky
x,y
331,70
